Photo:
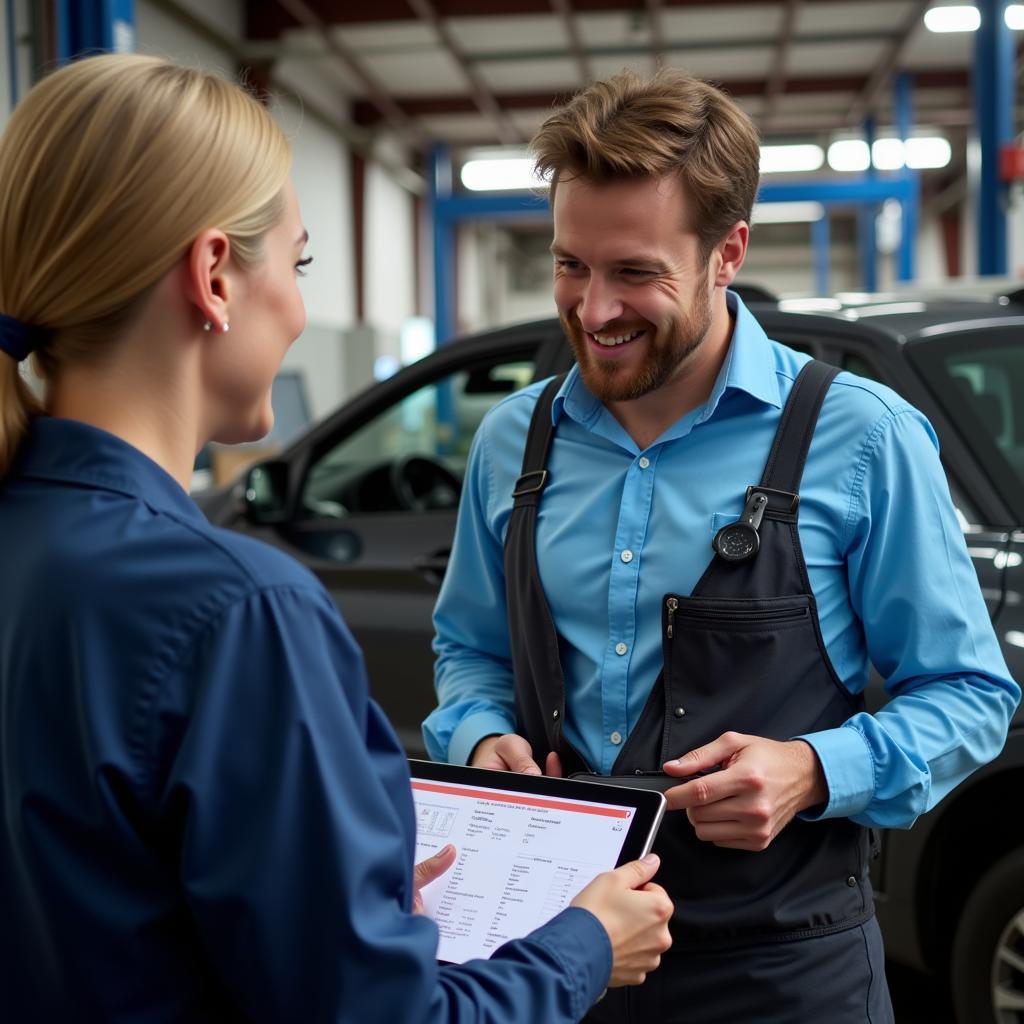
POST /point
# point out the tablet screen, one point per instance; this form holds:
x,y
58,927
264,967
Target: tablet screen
x,y
522,856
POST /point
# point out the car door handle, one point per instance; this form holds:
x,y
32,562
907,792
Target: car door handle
x,y
432,567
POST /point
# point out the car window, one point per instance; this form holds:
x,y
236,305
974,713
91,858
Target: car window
x,y
991,384
857,364
979,378
412,456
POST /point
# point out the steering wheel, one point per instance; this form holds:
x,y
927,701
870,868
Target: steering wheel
x,y
421,484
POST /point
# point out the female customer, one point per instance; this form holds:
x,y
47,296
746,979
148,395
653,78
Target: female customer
x,y
205,818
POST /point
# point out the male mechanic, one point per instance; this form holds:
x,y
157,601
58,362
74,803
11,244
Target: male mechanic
x,y
680,560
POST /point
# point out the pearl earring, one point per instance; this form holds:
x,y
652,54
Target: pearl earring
x,y
207,326
225,327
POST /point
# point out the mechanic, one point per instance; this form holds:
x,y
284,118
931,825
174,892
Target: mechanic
x,y
676,565
205,817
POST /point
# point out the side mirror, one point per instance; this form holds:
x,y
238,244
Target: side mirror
x,y
266,496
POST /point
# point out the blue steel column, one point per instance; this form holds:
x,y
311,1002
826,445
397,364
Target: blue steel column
x,y
909,207
12,53
821,237
444,244
993,80
91,26
866,214
444,286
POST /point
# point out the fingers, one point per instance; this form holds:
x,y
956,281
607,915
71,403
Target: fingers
x,y
433,867
508,753
709,756
553,765
707,789
517,755
638,872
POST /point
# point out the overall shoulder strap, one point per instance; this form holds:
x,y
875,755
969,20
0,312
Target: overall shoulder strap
x,y
534,475
785,464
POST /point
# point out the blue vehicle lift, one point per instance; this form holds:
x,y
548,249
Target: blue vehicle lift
x,y
994,87
91,26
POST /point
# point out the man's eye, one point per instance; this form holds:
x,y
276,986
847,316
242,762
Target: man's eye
x,y
635,272
568,264
303,263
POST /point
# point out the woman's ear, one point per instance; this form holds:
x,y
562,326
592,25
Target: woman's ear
x,y
732,251
209,279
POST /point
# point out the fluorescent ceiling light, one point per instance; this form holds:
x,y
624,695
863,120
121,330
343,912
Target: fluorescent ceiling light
x,y
890,154
787,213
501,175
849,155
928,152
887,154
785,159
1015,17
961,18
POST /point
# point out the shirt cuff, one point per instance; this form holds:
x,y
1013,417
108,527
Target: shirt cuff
x,y
580,943
849,771
471,730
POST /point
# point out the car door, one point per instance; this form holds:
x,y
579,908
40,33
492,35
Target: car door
x,y
376,507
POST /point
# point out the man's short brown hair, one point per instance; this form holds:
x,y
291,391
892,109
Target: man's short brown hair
x,y
627,127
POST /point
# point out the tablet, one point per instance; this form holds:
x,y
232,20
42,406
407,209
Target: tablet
x,y
526,845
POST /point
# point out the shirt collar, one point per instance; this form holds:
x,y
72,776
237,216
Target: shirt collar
x,y
68,451
748,367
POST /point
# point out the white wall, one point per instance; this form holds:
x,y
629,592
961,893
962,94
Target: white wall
x,y
389,256
321,172
162,35
322,179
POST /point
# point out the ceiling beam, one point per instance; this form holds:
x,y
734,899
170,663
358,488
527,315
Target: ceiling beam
x,y
352,135
390,111
780,64
480,93
563,8
265,21
889,62
424,106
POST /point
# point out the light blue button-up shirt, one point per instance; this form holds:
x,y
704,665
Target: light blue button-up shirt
x,y
619,527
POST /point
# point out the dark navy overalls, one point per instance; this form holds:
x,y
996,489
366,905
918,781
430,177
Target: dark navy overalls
x,y
742,652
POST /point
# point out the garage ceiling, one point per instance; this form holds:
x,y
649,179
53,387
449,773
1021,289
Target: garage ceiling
x,y
477,72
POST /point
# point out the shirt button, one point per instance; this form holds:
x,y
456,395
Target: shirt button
x,y
616,738
644,462
627,555
621,648
679,712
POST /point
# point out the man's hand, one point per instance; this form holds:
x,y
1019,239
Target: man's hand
x,y
427,870
508,753
760,786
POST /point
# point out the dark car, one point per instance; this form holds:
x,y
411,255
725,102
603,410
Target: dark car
x,y
367,498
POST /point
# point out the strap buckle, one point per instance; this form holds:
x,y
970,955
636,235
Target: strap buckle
x,y
794,499
522,487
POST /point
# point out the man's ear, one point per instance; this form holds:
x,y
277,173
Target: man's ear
x,y
209,280
732,251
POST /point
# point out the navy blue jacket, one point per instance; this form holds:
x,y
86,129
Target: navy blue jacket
x,y
205,817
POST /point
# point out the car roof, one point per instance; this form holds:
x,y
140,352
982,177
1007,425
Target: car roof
x,y
903,317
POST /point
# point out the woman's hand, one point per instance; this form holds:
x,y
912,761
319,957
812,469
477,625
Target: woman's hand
x,y
427,870
635,913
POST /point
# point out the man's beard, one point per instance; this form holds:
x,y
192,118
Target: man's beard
x,y
667,348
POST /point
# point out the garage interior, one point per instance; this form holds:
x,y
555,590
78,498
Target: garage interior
x,y
892,158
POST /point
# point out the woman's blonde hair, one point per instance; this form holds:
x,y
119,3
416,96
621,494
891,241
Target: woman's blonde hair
x,y
109,169
628,127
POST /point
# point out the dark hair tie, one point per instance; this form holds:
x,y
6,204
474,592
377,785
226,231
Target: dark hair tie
x,y
19,340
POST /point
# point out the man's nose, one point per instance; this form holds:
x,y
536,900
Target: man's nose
x,y
599,305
